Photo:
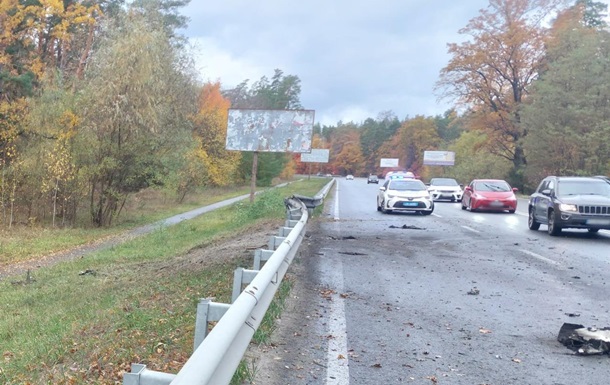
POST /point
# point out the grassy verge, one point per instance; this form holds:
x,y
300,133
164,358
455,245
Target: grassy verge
x,y
86,321
27,243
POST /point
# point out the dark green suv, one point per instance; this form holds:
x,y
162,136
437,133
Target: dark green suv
x,y
570,202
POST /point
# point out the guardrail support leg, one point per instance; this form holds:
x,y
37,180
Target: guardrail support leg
x,y
207,311
274,242
141,376
241,277
261,255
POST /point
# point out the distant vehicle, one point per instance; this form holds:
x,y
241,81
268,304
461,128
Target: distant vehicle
x,y
570,202
372,179
445,188
404,194
490,195
399,174
329,175
349,177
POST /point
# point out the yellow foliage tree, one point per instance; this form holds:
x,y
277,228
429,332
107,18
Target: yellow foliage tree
x,y
213,164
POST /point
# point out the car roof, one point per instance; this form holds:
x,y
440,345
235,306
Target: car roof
x,y
586,178
489,180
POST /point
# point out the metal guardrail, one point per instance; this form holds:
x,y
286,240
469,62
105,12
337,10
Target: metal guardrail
x,y
218,353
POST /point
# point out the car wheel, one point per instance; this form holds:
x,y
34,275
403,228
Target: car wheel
x,y
378,207
511,211
531,221
593,230
470,206
553,228
426,212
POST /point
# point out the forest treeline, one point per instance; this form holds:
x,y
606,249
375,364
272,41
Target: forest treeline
x,y
99,99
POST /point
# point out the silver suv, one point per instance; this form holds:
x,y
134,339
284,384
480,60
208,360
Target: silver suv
x,y
570,202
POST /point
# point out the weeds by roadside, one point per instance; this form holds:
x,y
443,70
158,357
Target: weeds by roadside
x,y
85,321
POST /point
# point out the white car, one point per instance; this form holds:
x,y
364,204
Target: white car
x,y
406,195
445,188
349,177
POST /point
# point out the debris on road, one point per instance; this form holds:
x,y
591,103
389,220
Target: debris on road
x,y
409,227
474,291
350,253
583,340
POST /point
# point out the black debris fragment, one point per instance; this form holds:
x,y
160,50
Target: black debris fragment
x,y
409,227
351,253
585,341
573,314
474,291
88,272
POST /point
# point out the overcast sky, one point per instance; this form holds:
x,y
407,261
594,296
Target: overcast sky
x,y
355,58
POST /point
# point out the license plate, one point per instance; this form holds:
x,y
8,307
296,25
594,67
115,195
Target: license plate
x,y
409,204
598,222
496,204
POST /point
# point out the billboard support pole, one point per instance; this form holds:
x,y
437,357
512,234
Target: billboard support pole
x,y
309,175
253,178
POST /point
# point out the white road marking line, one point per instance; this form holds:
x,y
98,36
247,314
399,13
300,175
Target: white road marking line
x,y
337,371
336,207
471,229
436,215
540,257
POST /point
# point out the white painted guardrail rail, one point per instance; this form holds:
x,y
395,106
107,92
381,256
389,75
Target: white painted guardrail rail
x,y
218,354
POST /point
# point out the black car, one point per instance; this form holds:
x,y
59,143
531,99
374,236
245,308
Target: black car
x,y
372,179
570,202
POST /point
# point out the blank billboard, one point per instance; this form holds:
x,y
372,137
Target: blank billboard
x,y
388,162
317,155
270,130
439,158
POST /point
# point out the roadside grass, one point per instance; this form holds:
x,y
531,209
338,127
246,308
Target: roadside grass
x,y
85,321
23,243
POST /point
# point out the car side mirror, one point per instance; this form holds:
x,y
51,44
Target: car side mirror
x,y
515,189
468,188
462,186
546,191
382,188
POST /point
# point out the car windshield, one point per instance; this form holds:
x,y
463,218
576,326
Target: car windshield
x,y
407,185
490,185
443,182
579,187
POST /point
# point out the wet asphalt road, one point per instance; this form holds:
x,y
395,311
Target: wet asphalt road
x,y
454,298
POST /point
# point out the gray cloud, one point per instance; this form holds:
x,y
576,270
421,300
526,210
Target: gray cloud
x,y
354,58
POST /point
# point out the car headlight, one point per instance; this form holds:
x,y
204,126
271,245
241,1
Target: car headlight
x,y
568,207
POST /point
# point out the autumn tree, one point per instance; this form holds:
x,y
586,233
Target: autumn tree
x,y
414,136
472,160
373,134
134,114
345,151
492,71
568,115
210,163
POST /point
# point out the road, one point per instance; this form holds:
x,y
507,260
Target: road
x,y
451,298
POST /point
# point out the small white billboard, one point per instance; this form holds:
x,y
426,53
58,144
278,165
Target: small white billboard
x,y
317,155
439,158
388,162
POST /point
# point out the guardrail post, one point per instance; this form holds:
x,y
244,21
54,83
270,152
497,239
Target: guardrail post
x,y
261,255
284,231
241,276
207,311
290,223
275,242
141,376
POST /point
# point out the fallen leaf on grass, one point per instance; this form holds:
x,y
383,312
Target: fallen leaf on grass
x,y
484,331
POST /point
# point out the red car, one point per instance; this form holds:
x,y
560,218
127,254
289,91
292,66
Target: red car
x,y
491,195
